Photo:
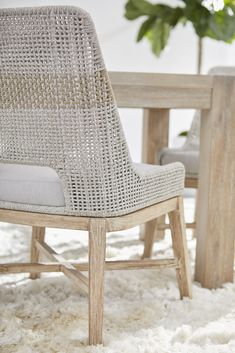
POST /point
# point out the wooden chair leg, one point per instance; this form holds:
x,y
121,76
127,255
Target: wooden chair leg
x,y
179,241
160,233
38,233
97,247
195,212
149,236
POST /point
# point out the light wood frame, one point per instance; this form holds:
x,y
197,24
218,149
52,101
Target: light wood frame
x,y
93,285
155,230
155,131
156,126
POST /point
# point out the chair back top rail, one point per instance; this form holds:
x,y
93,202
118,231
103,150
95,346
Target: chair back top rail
x,y
152,90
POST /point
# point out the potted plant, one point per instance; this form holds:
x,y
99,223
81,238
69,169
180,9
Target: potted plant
x,y
210,18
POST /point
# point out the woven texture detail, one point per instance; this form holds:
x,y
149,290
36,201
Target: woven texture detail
x,y
57,109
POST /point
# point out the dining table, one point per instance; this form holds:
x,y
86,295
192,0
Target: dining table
x,y
157,94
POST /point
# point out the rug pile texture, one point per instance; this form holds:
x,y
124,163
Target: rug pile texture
x,y
143,313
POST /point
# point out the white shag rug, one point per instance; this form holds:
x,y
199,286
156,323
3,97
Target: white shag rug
x,y
143,313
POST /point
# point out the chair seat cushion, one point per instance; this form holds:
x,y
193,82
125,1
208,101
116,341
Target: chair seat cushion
x,y
189,158
30,185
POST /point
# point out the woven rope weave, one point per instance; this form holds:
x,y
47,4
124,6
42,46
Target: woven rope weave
x,y
57,109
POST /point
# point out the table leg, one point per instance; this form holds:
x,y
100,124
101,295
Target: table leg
x,y
155,137
215,217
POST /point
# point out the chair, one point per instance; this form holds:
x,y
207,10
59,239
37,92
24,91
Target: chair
x,y
64,161
188,154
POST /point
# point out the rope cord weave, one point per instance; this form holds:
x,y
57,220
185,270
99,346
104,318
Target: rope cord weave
x,y
57,109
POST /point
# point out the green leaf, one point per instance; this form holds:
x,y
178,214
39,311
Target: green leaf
x,y
183,133
177,16
229,3
131,11
161,19
146,25
168,13
222,26
137,8
158,36
145,7
198,15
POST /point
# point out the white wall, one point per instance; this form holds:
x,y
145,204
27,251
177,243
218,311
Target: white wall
x,y
122,53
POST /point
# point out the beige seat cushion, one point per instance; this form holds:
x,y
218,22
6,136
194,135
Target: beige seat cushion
x,y
189,158
30,185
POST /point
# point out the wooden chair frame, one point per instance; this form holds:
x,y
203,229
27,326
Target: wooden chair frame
x,y
93,285
158,228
